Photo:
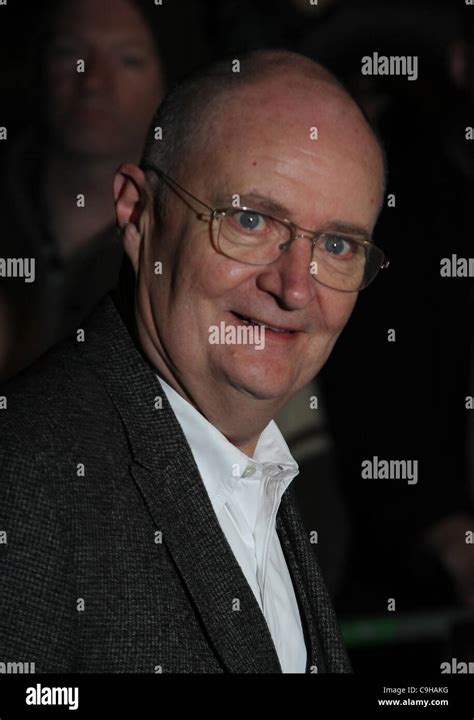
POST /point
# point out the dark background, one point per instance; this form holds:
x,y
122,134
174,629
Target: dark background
x,y
394,400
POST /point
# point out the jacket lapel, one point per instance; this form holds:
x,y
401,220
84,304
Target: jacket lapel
x,y
181,509
325,645
287,524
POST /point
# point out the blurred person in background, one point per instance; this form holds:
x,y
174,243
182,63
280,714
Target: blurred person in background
x,y
101,74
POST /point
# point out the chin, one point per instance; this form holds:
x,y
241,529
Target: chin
x,y
262,381
260,392
92,143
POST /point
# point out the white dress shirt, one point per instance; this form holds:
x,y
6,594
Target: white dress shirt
x,y
245,494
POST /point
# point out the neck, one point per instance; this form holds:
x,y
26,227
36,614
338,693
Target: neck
x,y
239,417
67,175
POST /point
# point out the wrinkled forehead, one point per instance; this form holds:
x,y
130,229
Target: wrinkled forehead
x,y
295,108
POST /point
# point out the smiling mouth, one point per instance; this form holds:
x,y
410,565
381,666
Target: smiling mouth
x,y
251,321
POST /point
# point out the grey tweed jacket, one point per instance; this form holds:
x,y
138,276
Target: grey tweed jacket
x,y
111,556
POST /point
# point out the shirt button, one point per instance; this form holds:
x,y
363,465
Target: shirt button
x,y
249,470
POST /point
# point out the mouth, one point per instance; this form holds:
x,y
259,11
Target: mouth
x,y
272,328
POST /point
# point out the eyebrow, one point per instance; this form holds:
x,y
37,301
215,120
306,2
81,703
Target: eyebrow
x,y
260,202
274,207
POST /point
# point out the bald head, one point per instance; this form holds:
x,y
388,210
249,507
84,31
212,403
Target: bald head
x,y
212,102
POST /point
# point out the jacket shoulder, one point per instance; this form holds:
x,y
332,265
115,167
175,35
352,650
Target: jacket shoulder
x,y
55,397
55,415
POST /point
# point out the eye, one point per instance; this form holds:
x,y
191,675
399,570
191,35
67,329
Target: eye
x,y
133,61
249,220
338,246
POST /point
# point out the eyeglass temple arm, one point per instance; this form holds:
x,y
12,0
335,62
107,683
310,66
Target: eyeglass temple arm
x,y
162,174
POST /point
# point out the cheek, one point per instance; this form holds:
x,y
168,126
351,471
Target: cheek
x,y
139,95
202,283
180,293
336,309
61,83
207,274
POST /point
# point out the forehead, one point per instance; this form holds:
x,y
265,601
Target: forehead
x,y
91,18
294,137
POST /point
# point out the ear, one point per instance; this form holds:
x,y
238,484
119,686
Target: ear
x,y
132,206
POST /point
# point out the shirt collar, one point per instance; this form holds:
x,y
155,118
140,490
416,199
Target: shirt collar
x,y
220,463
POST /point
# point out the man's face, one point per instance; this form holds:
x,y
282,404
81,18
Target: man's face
x,y
105,110
263,147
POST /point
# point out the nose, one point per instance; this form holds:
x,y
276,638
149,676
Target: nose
x,y
96,73
289,278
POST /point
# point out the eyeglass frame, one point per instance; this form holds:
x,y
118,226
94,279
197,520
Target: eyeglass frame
x,y
313,236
